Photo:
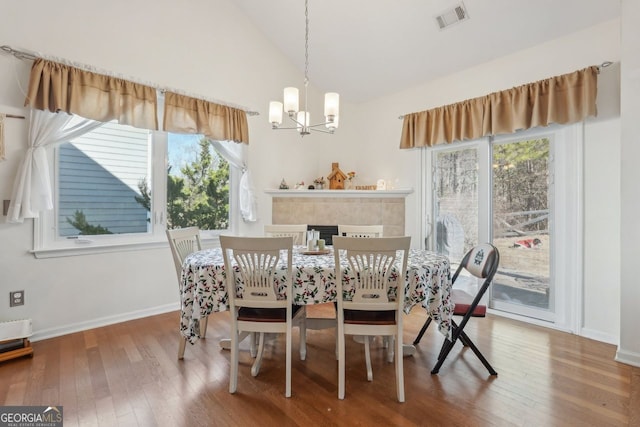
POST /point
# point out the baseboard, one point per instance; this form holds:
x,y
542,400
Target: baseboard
x,y
584,332
628,357
530,320
103,321
598,336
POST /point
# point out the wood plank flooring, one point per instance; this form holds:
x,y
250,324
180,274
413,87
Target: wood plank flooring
x,y
128,374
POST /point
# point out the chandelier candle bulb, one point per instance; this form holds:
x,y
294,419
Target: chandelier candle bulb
x,y
291,100
331,104
275,112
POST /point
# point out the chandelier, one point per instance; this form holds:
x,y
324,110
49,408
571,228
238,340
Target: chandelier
x,y
302,118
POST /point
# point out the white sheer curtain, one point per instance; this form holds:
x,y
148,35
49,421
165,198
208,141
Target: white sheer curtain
x,y
236,155
32,191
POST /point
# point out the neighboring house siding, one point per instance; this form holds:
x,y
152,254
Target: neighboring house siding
x,y
99,174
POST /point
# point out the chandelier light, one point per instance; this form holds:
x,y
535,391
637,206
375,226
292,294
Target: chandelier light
x,y
290,104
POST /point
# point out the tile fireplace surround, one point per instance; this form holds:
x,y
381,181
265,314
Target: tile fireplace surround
x,y
333,207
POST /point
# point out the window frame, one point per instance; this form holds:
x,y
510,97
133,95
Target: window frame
x,y
47,244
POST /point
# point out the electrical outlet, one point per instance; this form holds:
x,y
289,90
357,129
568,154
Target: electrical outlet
x,y
16,298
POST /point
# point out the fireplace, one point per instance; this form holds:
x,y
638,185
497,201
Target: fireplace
x,y
326,232
323,209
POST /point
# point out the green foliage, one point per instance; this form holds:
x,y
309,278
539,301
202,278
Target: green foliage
x,y
520,175
79,221
200,197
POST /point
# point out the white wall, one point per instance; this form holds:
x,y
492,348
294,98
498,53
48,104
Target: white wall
x,y
233,63
629,348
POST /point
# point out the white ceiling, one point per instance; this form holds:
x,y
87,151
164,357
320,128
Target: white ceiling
x,y
364,49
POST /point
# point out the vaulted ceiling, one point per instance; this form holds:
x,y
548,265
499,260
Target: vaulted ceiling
x,y
364,49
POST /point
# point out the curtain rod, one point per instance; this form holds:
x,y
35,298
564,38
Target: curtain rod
x,y
31,56
12,116
604,64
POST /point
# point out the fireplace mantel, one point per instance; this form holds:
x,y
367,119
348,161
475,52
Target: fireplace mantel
x,y
373,194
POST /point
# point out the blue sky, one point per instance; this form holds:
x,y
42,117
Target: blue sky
x,y
182,149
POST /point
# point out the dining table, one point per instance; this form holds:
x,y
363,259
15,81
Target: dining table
x,y
203,288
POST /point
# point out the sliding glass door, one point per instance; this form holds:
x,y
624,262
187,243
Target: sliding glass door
x,y
521,193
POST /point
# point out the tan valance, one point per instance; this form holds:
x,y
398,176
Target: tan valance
x,y
58,87
183,114
562,99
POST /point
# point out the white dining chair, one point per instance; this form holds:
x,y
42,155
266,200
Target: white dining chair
x,y
297,231
257,262
360,230
182,242
371,263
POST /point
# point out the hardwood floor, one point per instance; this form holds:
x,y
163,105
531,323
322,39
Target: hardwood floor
x,y
128,374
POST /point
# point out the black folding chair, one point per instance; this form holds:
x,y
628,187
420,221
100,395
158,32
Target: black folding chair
x,y
481,262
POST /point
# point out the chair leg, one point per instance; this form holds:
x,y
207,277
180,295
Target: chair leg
x,y
422,331
477,353
181,347
446,348
464,339
253,349
255,369
303,335
367,356
341,362
399,369
233,377
287,392
390,347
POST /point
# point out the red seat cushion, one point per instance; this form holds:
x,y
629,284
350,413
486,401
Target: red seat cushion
x,y
365,317
462,301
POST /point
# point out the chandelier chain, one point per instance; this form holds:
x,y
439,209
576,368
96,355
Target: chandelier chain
x,y
306,43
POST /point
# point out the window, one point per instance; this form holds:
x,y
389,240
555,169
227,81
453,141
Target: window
x,y
99,180
118,185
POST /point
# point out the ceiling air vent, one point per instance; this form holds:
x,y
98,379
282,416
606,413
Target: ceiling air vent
x,y
452,16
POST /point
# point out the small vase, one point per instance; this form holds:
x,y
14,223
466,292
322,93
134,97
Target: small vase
x,y
348,185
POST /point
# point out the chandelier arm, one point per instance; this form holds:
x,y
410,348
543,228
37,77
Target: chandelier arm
x,y
318,125
321,130
281,128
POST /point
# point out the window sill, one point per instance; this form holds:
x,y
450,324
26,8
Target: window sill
x,y
91,248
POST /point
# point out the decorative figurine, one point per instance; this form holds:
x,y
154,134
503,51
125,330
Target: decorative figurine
x,y
336,178
283,185
319,183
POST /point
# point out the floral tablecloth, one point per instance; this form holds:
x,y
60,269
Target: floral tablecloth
x,y
203,287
